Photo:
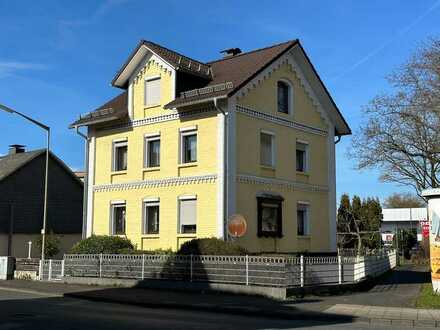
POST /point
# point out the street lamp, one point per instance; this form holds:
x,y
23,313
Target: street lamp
x,y
47,129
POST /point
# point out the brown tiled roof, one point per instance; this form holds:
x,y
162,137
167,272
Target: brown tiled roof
x,y
116,108
178,61
237,70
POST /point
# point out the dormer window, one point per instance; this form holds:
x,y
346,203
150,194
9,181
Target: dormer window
x,y
284,91
152,91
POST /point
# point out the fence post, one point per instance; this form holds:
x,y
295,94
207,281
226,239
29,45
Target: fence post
x,y
247,269
191,268
100,265
340,269
143,266
49,275
62,268
40,271
302,270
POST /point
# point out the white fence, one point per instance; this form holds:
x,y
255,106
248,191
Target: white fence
x,y
246,270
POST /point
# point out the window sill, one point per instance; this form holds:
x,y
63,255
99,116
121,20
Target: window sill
x,y
193,235
266,167
118,172
303,173
150,236
306,237
193,164
151,169
151,106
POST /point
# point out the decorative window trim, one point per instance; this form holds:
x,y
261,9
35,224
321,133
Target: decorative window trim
x,y
149,138
290,96
186,197
273,148
151,200
117,143
183,132
306,155
155,183
279,205
306,208
146,81
188,128
113,205
181,199
145,203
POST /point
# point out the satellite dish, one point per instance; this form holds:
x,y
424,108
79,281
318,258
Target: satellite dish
x,y
237,225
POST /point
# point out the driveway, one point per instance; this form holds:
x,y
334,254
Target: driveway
x,y
399,288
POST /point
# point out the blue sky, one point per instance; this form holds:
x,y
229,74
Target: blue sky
x,y
57,57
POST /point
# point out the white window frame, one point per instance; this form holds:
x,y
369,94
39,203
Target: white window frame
x,y
149,138
307,226
146,203
290,107
147,80
185,198
186,131
273,149
113,206
115,145
306,155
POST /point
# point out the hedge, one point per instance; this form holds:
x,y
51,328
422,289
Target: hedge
x,y
211,246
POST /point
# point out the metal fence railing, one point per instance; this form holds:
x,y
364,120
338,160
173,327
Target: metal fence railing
x,y
247,270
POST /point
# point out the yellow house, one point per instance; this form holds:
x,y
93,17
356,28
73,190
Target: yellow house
x,y
188,144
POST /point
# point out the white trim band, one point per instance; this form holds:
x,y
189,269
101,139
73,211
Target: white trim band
x,y
210,178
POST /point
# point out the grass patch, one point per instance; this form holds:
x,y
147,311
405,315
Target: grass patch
x,y
427,298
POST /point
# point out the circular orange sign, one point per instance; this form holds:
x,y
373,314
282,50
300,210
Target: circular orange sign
x,y
237,225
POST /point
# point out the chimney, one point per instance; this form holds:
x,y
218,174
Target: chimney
x,y
16,149
230,52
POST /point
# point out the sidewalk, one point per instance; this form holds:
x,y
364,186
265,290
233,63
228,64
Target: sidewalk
x,y
409,317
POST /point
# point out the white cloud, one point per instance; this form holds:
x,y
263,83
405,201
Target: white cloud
x,y
9,67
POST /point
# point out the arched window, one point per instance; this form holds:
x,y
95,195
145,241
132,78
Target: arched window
x,y
284,92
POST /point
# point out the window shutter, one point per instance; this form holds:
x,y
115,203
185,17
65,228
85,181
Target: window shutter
x,y
188,212
152,91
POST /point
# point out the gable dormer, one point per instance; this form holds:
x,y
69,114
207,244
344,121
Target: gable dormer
x,y
154,76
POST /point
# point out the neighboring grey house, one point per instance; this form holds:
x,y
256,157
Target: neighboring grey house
x,y
403,218
22,196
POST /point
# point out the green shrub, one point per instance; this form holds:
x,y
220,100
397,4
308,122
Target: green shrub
x,y
51,245
211,246
103,244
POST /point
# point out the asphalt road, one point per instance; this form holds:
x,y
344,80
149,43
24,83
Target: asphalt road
x,y
19,310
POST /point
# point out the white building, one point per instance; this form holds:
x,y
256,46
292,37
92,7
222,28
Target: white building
x,y
403,218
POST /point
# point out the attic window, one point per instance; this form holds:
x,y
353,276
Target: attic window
x,y
152,91
283,97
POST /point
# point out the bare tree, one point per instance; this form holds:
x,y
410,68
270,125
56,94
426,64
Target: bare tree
x,y
401,136
399,200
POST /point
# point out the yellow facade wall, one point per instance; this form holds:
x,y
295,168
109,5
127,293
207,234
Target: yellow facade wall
x,y
317,241
263,98
168,237
170,167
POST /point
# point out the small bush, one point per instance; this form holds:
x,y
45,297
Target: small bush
x,y
211,246
103,244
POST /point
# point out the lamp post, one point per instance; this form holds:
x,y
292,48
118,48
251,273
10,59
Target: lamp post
x,y
47,129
